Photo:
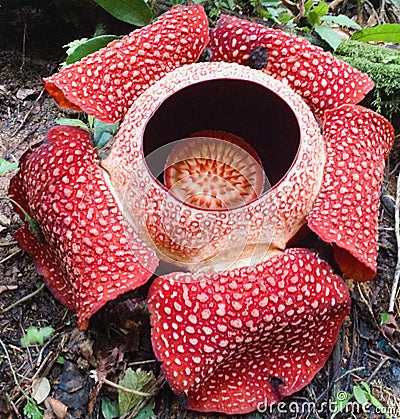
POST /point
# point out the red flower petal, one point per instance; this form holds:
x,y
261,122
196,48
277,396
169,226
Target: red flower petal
x,y
237,339
322,80
346,211
105,83
85,252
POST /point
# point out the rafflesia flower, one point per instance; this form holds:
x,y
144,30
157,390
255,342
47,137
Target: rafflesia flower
x,y
215,168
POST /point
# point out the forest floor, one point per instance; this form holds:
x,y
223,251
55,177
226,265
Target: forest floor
x,y
118,336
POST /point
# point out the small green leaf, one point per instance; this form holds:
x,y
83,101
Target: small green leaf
x,y
60,360
109,409
74,44
366,386
135,380
6,166
375,402
32,410
90,119
328,35
384,318
360,395
341,400
102,132
388,32
36,336
34,227
135,12
308,5
270,3
72,122
315,14
88,46
341,20
147,411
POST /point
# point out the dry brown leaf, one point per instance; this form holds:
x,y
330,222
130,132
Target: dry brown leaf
x,y
4,288
40,389
54,409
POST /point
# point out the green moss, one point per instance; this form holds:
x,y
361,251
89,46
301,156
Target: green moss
x,y
383,66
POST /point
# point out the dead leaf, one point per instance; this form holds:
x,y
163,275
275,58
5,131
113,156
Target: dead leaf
x,y
23,93
71,379
390,327
40,389
372,21
4,288
5,221
54,409
80,341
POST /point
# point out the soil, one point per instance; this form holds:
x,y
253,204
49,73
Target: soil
x,y
118,336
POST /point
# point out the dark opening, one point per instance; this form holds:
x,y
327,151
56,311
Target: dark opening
x,y
246,109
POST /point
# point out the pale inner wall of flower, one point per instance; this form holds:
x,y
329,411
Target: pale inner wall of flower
x,y
218,96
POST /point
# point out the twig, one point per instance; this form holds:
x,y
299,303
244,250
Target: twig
x,y
10,256
117,386
153,391
23,46
149,361
349,372
382,10
26,116
23,299
364,300
380,365
335,4
395,170
12,404
380,354
396,279
14,375
8,244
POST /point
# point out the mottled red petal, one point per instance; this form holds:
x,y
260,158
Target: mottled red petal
x,y
85,252
105,83
321,79
234,340
346,211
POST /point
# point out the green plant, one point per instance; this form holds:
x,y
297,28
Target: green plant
x,y
139,382
387,32
342,398
384,317
101,131
382,65
79,48
363,395
31,409
214,8
135,12
6,166
36,335
314,16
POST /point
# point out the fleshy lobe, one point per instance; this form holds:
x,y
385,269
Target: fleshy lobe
x,y
232,341
104,84
85,250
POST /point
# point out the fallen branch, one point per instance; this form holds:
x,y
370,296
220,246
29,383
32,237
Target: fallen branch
x,y
153,391
23,299
104,380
